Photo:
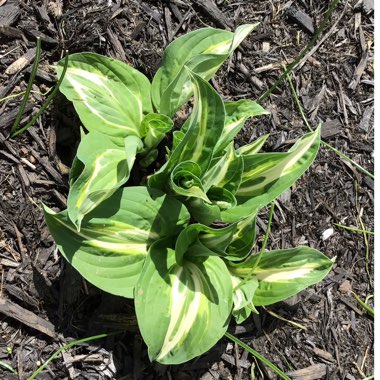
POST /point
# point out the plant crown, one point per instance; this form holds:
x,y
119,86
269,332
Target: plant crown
x,y
181,245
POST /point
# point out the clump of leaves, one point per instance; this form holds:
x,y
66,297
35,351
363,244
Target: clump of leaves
x,y
182,244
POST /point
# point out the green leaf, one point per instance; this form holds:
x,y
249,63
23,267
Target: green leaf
x,y
243,239
109,96
148,158
242,314
221,197
283,273
199,240
177,138
207,211
185,181
237,112
232,242
107,166
205,127
203,212
267,175
203,51
182,310
112,245
242,297
76,169
253,147
225,171
153,128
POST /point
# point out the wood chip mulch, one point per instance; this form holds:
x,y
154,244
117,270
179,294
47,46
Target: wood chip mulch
x,y
45,304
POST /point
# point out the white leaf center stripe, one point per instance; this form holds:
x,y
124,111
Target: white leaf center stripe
x,y
238,299
105,157
81,90
137,248
300,153
283,168
182,312
232,125
200,141
286,274
220,48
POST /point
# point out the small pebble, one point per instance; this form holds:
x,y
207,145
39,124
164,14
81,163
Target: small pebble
x,y
328,233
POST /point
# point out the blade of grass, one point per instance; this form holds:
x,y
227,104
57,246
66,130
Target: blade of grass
x,y
22,93
364,305
311,43
273,314
66,347
304,118
354,229
266,237
257,355
48,100
28,87
284,360
365,238
7,367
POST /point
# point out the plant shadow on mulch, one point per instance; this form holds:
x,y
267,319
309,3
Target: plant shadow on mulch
x,y
44,303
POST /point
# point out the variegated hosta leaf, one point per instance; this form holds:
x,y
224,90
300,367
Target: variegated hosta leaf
x,y
283,273
202,211
242,314
205,127
111,247
109,96
106,166
225,171
177,138
203,51
76,169
153,128
199,240
148,158
252,147
182,310
221,197
267,175
232,242
185,181
243,239
237,112
243,296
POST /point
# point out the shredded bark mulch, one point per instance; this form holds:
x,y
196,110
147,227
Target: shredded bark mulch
x,y
45,304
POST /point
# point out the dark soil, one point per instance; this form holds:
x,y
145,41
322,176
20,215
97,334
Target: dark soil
x,y
45,304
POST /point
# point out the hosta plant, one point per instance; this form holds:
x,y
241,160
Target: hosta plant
x,y
182,244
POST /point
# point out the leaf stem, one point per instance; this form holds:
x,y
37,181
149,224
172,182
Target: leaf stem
x,y
354,229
